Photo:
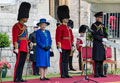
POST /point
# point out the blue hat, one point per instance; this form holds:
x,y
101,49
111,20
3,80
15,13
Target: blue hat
x,y
43,20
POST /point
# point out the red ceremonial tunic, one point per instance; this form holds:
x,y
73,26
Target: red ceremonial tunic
x,y
20,36
79,43
64,36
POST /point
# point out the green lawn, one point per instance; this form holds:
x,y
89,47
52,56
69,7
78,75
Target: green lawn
x,y
34,77
53,75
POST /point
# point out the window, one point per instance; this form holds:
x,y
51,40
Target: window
x,y
53,8
111,22
7,2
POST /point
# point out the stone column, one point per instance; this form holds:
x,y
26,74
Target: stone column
x,y
62,2
52,9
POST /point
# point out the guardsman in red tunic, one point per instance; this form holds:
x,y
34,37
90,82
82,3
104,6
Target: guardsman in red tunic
x,y
64,39
20,40
71,25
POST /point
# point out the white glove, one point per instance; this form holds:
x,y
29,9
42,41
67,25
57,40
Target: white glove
x,y
59,49
104,43
73,48
104,40
31,52
16,51
83,45
31,44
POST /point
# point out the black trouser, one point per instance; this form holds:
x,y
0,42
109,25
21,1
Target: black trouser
x,y
35,69
70,62
98,68
64,63
20,65
80,61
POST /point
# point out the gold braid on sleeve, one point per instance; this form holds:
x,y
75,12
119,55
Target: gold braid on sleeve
x,y
16,45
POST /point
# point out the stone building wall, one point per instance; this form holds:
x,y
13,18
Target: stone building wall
x,y
85,13
8,17
40,9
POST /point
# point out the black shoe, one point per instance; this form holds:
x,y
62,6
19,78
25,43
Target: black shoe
x,y
96,76
46,78
38,74
23,80
103,76
72,69
68,76
63,76
35,74
42,79
16,80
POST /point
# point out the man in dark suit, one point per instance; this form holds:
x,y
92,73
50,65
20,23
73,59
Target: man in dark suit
x,y
99,38
32,39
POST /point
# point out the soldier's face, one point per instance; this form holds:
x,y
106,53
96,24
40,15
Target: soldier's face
x,y
35,29
99,19
82,34
65,20
24,20
43,26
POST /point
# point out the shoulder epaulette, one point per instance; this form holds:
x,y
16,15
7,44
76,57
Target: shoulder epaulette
x,y
21,28
99,27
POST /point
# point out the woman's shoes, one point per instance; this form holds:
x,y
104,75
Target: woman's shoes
x,y
46,78
43,79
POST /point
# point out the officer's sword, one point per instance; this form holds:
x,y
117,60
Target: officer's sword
x,y
27,63
26,69
112,44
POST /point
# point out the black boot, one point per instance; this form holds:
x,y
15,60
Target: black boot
x,y
72,69
23,80
16,80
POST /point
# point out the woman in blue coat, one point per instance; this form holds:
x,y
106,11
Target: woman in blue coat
x,y
43,40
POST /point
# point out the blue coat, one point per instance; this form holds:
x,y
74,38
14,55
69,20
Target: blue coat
x,y
43,39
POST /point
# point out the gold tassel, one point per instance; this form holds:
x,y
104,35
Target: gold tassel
x,y
16,45
59,45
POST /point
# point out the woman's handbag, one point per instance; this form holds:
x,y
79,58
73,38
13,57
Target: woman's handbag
x,y
51,53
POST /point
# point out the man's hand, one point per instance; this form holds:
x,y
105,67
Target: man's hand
x,y
15,50
104,43
104,39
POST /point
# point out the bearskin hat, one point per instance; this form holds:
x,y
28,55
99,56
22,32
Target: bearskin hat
x,y
71,23
63,12
23,11
82,29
